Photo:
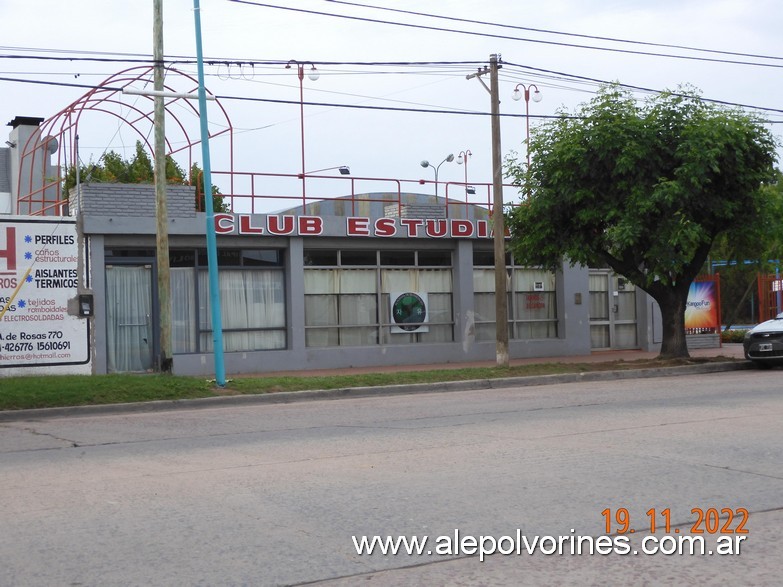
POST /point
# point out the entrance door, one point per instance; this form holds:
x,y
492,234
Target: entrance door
x,y
612,311
128,319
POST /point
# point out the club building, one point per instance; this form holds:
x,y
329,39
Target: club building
x,y
371,279
357,279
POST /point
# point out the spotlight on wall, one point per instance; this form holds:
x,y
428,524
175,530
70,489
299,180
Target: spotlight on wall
x,y
11,144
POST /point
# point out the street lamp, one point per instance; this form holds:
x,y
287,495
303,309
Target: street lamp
x,y
463,158
313,74
449,158
517,95
343,169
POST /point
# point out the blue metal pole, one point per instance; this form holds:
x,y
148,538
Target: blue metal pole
x,y
214,285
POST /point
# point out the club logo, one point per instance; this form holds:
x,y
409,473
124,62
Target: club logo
x,y
409,312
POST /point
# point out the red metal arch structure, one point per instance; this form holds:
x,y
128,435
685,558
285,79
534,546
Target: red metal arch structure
x,y
40,183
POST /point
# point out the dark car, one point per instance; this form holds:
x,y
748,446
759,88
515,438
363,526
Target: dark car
x,y
764,342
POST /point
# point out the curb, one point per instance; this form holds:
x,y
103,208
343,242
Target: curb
x,y
286,397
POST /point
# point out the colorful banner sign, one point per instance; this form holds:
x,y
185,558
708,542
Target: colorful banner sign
x,y
39,275
701,310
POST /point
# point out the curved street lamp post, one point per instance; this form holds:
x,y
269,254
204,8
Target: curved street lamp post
x,y
313,74
462,158
518,95
449,158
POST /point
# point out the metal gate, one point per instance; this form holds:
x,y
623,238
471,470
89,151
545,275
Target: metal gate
x,y
612,311
770,296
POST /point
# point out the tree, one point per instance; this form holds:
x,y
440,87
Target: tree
x,y
644,189
112,168
197,180
758,249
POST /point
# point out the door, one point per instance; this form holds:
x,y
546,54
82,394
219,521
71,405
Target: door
x,y
129,326
612,311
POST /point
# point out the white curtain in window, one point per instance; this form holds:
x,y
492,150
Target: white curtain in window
x,y
183,310
344,298
483,281
249,299
320,313
128,319
526,279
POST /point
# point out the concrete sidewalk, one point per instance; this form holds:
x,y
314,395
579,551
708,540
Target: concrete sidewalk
x,y
731,352
728,350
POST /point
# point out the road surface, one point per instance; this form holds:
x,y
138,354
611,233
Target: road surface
x,y
278,494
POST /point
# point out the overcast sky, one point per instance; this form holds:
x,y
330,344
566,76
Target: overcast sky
x,y
382,143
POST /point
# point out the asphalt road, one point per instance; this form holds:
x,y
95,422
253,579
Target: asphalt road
x,y
272,494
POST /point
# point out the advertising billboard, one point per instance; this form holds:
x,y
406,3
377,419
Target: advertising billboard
x,y
702,308
39,275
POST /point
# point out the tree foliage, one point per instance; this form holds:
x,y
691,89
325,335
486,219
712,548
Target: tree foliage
x,y
740,256
112,168
643,188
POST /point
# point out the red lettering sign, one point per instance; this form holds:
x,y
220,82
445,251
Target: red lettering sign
x,y
9,253
385,227
412,224
311,225
358,226
274,224
461,228
224,223
436,228
246,226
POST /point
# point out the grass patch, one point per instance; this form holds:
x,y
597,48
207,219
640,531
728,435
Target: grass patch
x,y
17,393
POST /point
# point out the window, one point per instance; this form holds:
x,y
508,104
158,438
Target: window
x,y
348,304
532,300
252,299
252,310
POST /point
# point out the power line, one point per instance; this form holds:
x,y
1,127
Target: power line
x,y
505,37
639,88
368,107
551,32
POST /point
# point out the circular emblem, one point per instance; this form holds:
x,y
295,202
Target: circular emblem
x,y
409,311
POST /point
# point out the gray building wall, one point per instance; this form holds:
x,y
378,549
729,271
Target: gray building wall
x,y
5,181
119,216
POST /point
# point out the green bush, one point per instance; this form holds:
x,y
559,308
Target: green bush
x,y
732,335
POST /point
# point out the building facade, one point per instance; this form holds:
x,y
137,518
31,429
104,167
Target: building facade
x,y
364,280
302,291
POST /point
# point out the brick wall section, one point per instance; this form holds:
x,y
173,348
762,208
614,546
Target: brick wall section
x,y
415,211
128,199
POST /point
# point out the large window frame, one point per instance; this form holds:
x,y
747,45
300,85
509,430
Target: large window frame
x,y
531,299
252,293
347,296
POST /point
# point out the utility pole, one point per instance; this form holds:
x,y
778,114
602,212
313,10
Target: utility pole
x,y
498,229
165,360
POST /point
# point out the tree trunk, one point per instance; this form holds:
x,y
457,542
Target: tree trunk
x,y
672,302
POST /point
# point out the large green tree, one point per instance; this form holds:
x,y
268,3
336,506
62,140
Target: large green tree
x,y
739,258
112,168
643,188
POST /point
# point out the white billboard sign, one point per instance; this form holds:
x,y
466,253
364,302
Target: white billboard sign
x,y
39,274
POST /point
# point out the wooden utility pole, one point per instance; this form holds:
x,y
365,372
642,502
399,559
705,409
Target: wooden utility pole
x,y
165,360
498,229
